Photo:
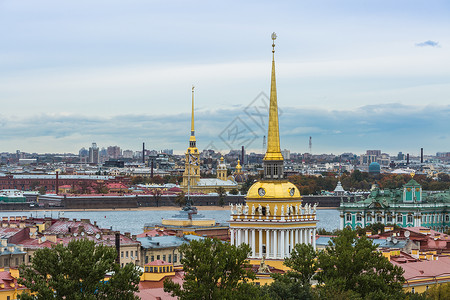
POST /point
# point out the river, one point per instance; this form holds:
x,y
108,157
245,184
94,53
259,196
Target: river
x,y
133,220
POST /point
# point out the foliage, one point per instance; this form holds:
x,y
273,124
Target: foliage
x,y
295,283
323,231
222,194
156,196
214,270
438,292
77,271
234,192
101,188
42,190
180,199
352,264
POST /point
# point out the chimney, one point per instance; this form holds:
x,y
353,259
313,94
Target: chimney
x,y
57,182
407,159
421,155
118,247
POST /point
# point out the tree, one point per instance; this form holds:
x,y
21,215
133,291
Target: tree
x,y
295,283
77,271
350,263
214,270
156,196
222,194
234,192
438,292
180,199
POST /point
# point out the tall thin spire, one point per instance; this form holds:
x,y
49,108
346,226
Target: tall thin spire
x,y
273,137
192,138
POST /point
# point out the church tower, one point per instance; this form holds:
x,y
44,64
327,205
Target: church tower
x,y
222,170
273,220
191,175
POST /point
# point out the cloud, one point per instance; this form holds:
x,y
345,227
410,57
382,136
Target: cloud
x,y
389,127
428,43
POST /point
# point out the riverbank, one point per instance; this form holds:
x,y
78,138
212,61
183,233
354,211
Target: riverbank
x,y
160,208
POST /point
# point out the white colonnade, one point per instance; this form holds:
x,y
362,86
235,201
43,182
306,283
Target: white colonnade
x,y
278,242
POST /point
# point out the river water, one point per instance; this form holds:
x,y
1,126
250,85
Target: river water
x,y
133,221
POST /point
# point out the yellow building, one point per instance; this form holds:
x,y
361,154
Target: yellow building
x,y
273,220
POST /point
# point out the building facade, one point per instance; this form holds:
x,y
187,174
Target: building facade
x,y
406,207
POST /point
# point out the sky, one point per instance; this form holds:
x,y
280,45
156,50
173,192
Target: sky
x,y
353,75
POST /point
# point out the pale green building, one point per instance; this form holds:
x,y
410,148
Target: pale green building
x,y
406,207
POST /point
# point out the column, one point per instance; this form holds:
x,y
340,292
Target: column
x,y
286,244
314,238
260,243
246,236
292,240
300,236
239,239
296,235
275,244
253,243
268,243
282,251
232,237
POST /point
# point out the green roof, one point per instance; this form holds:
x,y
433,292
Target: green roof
x,y
412,182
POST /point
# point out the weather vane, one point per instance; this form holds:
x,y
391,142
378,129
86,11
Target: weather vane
x,y
274,37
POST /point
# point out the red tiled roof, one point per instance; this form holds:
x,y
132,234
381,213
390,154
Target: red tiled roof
x,y
62,227
35,244
158,263
7,279
425,268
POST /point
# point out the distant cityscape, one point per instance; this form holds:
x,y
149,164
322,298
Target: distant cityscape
x,y
112,160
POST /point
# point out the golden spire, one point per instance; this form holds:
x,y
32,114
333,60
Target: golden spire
x,y
192,138
273,137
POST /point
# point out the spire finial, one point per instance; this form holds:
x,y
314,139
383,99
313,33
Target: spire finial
x,y
274,37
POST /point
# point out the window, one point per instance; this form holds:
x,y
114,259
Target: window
x,y
126,254
164,257
369,218
146,269
379,218
6,262
447,218
158,257
17,261
349,217
389,218
399,218
146,259
151,269
136,254
174,258
153,257
170,258
410,218
358,218
121,254
164,269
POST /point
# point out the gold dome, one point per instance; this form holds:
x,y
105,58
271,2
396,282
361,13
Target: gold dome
x,y
273,190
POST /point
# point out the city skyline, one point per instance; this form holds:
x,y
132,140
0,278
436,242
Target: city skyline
x,y
352,75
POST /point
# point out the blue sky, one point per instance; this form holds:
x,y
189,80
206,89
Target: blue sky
x,y
354,75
